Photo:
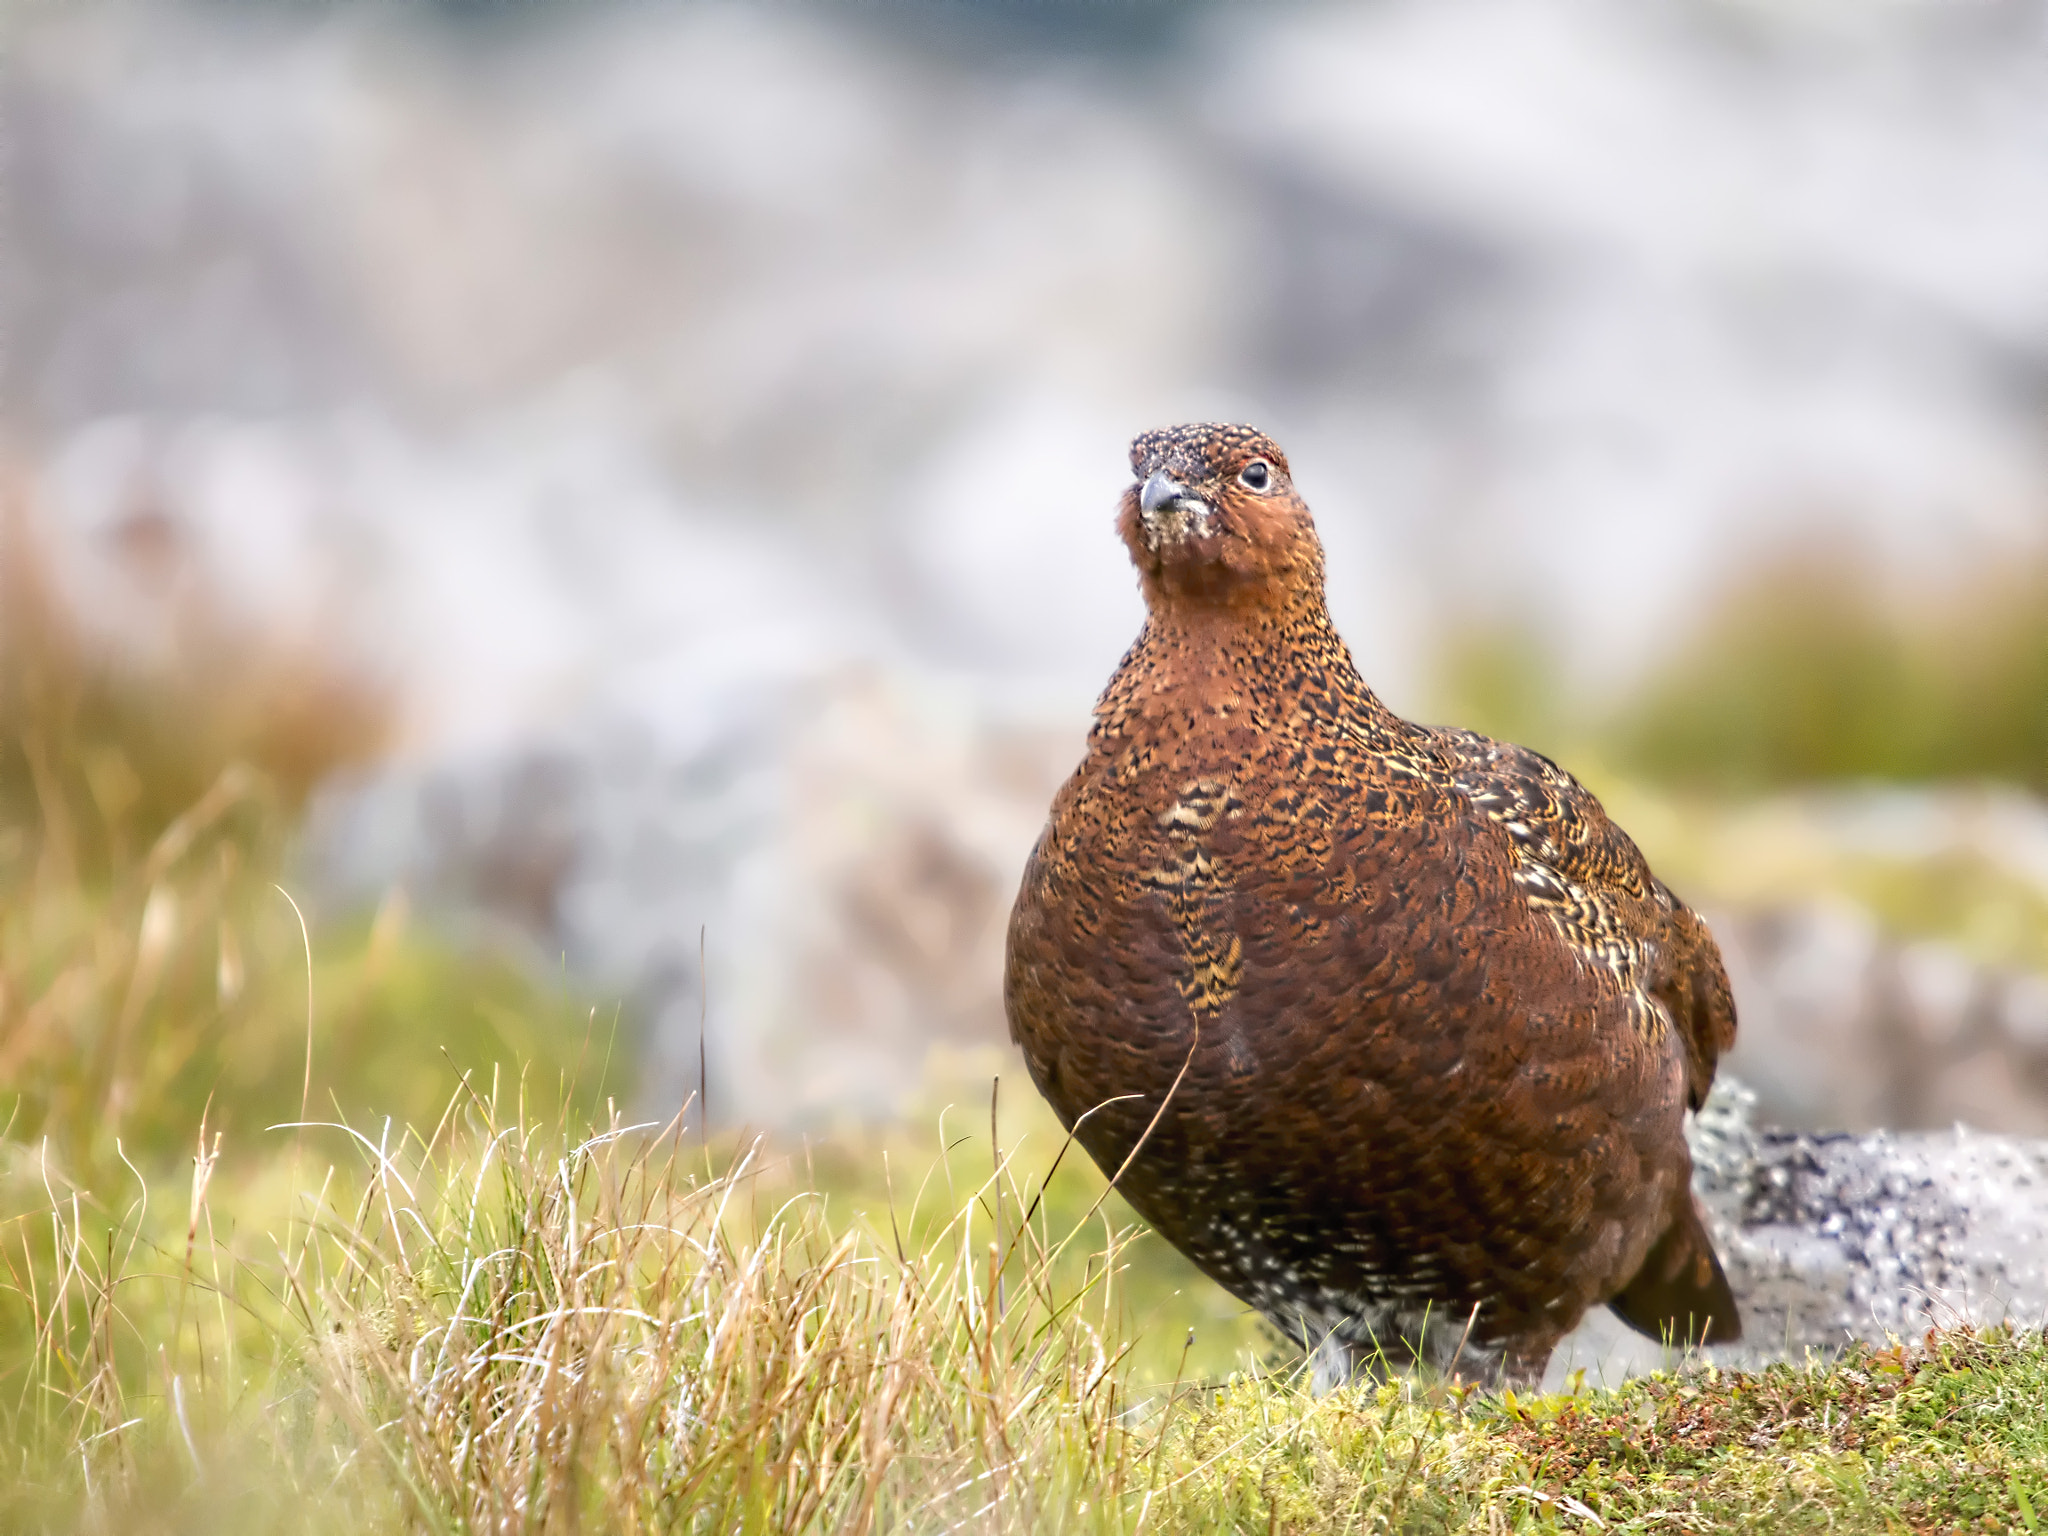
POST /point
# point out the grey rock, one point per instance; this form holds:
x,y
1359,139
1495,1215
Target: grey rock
x,y
1845,1027
815,882
1832,1238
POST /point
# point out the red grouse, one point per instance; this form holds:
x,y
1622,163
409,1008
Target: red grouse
x,y
1394,1028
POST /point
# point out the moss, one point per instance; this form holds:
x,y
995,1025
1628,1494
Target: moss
x,y
1945,1434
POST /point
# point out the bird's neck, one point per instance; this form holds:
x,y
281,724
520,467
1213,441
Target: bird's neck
x,y
1278,661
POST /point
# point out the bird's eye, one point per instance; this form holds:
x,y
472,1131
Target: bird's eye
x,y
1255,476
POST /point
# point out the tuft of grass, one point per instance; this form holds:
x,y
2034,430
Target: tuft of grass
x,y
1808,669
1811,671
592,1334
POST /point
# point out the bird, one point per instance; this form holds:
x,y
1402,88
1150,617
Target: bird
x,y
1387,1027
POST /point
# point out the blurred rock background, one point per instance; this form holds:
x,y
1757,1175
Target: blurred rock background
x,y
648,469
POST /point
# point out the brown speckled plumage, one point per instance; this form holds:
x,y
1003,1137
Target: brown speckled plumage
x,y
1435,1022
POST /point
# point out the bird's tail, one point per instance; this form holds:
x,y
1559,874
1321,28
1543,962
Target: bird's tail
x,y
1680,1294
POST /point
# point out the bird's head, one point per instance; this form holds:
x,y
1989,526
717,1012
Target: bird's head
x,y
1213,520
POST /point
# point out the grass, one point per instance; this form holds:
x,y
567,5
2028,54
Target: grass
x,y
1811,669
153,967
504,1324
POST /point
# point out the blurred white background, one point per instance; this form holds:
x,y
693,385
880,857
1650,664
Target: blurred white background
x,y
704,421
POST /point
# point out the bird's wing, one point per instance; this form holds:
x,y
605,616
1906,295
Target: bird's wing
x,y
1586,875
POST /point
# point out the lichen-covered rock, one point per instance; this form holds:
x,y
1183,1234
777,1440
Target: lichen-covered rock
x,y
1831,1238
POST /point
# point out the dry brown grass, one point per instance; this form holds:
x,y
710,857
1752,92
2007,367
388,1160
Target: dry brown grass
x,y
151,967
102,750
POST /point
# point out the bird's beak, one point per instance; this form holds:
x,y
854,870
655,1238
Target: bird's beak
x,y
1170,510
1161,490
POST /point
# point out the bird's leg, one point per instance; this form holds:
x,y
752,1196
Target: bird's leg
x,y
1455,1349
1333,1364
1523,1361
